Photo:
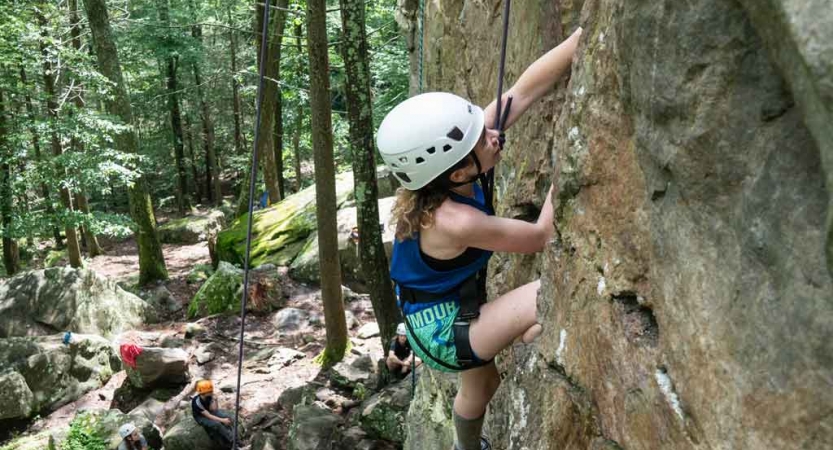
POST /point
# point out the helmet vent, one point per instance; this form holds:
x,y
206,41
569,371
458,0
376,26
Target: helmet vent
x,y
419,160
455,134
403,159
394,165
431,150
403,176
446,147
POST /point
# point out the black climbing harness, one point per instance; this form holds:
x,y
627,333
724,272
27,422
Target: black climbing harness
x,y
472,292
252,182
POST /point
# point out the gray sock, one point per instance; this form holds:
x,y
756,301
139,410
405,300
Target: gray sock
x,y
468,432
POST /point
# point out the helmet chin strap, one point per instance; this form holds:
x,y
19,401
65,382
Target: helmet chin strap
x,y
480,176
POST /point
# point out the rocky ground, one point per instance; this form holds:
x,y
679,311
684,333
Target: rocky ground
x,y
280,377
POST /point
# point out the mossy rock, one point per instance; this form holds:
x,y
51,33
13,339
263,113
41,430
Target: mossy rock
x,y
383,415
191,229
199,273
222,291
219,294
305,265
279,231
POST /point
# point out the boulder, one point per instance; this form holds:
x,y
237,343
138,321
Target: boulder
x,y
222,292
278,231
48,439
305,266
368,330
266,441
162,298
291,319
352,371
41,374
159,366
429,422
384,414
349,318
59,299
191,229
187,434
293,396
193,330
313,428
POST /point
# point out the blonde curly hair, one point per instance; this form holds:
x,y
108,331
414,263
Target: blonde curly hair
x,y
414,210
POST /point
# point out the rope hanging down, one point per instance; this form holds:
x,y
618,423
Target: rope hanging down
x,y
252,183
488,179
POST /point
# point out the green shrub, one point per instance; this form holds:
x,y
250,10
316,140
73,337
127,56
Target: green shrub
x,y
84,435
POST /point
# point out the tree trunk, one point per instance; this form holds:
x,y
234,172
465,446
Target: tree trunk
x,y
73,249
296,147
151,259
235,93
374,261
90,239
279,138
11,254
212,169
325,192
270,95
172,63
30,111
299,120
195,175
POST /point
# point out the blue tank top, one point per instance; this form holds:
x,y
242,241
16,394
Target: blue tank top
x,y
410,270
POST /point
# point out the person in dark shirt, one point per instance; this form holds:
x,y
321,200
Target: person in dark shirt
x,y
217,423
400,358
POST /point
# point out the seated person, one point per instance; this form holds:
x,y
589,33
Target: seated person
x,y
217,423
400,357
131,438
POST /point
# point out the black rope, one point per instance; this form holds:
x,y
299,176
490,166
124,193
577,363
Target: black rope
x,y
488,180
252,182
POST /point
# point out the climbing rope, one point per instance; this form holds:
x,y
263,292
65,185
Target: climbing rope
x,y
252,182
500,120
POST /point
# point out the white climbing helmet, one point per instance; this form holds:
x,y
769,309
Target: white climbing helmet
x,y
400,329
126,430
426,135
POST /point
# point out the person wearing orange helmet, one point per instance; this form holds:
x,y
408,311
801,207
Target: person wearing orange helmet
x,y
217,423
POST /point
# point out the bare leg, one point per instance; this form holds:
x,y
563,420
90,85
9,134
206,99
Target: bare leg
x,y
504,319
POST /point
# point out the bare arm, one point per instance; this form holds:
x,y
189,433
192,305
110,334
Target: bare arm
x,y
210,416
473,228
536,80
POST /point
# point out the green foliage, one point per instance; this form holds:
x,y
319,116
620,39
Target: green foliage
x,y
84,434
91,163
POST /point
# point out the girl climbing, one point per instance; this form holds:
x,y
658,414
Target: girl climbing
x,y
437,145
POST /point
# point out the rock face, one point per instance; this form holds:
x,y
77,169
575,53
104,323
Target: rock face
x,y
687,294
41,374
59,299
